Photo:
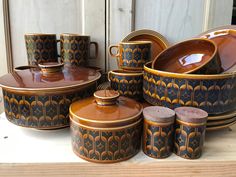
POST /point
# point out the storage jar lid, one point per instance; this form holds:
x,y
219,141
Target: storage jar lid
x,y
191,115
106,110
159,114
48,76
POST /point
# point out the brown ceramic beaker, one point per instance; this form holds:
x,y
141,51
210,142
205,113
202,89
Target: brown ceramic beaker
x,y
75,49
41,48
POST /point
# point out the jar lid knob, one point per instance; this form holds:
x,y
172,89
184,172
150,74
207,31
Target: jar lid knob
x,y
50,67
106,97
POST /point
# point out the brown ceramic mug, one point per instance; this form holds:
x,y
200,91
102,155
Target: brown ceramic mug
x,y
132,55
75,49
41,48
198,56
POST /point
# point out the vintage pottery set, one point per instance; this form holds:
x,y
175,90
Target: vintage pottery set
x,y
163,97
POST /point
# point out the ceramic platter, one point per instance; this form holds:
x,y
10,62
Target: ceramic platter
x,y
225,38
223,116
212,128
159,43
221,121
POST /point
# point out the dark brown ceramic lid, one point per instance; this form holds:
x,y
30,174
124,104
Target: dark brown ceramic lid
x,y
106,110
191,114
159,114
49,77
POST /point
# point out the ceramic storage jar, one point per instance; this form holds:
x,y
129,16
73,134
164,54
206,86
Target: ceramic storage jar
x,y
190,129
158,131
106,127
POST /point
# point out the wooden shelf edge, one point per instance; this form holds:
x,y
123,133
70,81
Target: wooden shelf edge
x,y
160,168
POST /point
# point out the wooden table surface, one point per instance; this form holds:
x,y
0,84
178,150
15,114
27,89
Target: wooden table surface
x,y
29,152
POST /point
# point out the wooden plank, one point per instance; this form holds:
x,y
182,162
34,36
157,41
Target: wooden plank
x,y
175,19
217,13
41,17
29,152
160,168
93,22
4,67
120,23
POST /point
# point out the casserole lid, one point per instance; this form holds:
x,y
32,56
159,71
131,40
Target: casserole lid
x,y
48,76
106,109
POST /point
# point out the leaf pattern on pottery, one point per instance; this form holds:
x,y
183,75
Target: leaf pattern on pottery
x,y
157,140
106,145
189,140
213,96
41,49
42,111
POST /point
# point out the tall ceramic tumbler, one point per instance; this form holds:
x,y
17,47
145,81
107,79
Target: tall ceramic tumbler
x,y
75,49
41,48
190,130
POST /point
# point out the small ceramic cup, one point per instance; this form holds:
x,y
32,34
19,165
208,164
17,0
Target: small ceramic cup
x,y
75,49
199,56
132,55
41,48
128,84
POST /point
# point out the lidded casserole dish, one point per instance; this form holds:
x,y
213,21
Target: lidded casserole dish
x,y
106,127
39,97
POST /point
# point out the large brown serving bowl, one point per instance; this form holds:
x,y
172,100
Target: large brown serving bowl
x,y
40,97
215,94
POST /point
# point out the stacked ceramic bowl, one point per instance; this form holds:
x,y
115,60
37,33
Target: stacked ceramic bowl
x,y
132,55
199,72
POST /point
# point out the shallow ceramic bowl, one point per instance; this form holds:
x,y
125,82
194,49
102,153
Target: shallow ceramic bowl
x,y
213,93
191,56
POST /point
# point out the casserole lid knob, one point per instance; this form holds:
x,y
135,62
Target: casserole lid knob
x,y
50,67
106,97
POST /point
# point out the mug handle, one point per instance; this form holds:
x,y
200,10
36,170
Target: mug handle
x,y
108,76
96,50
117,50
58,40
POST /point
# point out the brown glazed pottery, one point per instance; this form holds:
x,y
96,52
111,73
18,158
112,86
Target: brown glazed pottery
x,y
191,56
158,131
41,48
39,97
132,55
128,84
225,39
111,132
75,49
159,43
190,127
215,94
